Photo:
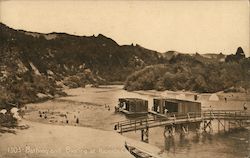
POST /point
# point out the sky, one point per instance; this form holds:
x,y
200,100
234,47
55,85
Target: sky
x,y
183,26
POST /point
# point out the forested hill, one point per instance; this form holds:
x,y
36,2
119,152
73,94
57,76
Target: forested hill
x,y
193,73
61,52
36,66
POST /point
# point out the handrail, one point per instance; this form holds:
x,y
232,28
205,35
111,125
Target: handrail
x,y
150,122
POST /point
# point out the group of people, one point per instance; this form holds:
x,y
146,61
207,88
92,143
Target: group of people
x,y
76,119
107,106
158,110
44,115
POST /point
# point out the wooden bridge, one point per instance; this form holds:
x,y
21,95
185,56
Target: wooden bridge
x,y
171,121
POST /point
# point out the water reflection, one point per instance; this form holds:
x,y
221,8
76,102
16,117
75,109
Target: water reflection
x,y
170,143
229,144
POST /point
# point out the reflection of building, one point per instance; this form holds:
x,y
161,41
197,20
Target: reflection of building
x,y
175,106
133,106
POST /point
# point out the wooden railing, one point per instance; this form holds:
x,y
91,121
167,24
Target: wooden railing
x,y
172,118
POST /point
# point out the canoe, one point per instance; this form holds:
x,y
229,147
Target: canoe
x,y
138,153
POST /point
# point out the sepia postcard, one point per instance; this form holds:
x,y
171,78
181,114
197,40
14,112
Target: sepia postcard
x,y
124,79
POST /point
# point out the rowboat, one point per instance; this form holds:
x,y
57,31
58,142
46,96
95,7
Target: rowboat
x,y
138,153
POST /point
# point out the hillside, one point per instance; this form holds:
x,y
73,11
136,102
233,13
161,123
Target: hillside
x,y
60,52
36,66
194,73
39,64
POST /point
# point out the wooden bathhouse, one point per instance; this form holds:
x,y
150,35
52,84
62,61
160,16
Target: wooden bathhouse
x,y
133,106
163,105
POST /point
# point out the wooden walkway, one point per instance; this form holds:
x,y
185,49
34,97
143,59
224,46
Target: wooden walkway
x,y
156,120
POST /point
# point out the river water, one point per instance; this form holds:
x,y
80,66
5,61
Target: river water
x,y
216,145
223,145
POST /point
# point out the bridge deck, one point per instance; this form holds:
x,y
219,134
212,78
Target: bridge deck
x,y
157,120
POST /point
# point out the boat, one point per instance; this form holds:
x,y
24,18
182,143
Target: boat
x,y
138,153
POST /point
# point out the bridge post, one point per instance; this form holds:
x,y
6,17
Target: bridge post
x,y
144,132
169,130
209,124
210,127
224,125
166,129
135,125
198,127
218,125
241,123
204,125
184,130
142,135
173,130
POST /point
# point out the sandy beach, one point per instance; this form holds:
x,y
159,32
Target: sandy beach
x,y
52,136
44,140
